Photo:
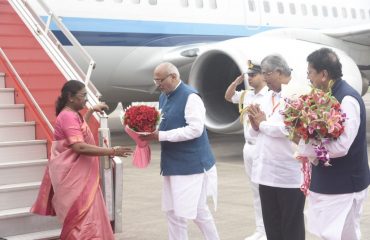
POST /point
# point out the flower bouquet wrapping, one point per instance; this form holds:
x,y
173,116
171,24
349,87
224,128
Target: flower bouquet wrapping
x,y
141,120
317,119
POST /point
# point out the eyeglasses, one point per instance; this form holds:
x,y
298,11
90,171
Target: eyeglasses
x,y
159,81
267,74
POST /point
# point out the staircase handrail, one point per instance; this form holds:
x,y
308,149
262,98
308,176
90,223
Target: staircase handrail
x,y
71,38
32,103
70,69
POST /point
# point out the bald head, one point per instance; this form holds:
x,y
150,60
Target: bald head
x,y
167,68
166,77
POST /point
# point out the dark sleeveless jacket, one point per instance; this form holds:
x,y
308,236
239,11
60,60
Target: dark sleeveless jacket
x,y
349,173
186,157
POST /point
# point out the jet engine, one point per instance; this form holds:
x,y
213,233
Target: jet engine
x,y
218,65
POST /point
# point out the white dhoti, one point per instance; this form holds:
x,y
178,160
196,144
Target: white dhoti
x,y
335,216
248,155
185,197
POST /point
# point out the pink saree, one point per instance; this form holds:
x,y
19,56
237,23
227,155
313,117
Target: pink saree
x,y
70,187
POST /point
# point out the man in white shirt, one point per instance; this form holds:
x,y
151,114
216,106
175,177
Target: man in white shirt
x,y
337,192
187,162
274,168
244,98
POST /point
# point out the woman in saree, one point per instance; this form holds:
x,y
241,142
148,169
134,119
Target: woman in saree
x,y
70,188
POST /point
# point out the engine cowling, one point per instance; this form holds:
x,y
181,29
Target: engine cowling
x,y
218,65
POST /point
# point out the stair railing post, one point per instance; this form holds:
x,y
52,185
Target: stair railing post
x,y
111,176
106,174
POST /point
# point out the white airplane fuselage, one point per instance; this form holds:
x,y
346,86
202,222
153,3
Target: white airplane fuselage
x,y
128,38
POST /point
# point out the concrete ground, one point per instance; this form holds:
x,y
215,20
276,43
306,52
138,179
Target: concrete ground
x,y
142,216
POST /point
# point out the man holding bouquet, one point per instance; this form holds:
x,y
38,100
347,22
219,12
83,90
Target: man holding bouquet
x,y
244,99
337,192
187,162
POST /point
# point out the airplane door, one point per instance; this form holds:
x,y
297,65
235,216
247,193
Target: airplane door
x,y
252,13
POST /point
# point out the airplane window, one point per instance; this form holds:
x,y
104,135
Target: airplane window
x,y
362,13
344,12
335,12
304,9
199,3
266,6
292,8
135,1
184,3
353,13
118,1
315,12
280,7
251,5
152,2
213,4
325,11
369,13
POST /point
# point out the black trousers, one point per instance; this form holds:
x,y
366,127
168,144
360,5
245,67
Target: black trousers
x,y
282,212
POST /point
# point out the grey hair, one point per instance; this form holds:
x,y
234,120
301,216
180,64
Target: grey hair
x,y
170,68
276,62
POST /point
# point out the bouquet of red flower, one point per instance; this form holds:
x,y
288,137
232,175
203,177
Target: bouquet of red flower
x,y
138,120
317,119
141,118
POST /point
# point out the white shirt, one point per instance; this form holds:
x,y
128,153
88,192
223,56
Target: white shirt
x,y
274,165
250,97
339,147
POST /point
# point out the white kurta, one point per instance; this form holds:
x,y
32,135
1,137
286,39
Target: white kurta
x,y
336,216
182,193
274,165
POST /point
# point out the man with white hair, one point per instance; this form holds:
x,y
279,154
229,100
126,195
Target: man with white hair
x,y
275,169
187,162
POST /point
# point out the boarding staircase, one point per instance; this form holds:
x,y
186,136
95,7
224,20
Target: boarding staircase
x,y
22,164
33,67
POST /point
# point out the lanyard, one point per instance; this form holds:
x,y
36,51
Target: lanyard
x,y
274,105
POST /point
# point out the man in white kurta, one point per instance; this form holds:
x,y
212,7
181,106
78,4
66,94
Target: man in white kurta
x,y
337,192
244,98
274,167
187,163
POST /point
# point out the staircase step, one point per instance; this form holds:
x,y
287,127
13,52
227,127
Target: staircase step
x,y
9,18
22,171
6,95
18,42
45,235
6,8
35,67
2,80
11,113
12,29
31,54
21,221
22,150
17,131
18,195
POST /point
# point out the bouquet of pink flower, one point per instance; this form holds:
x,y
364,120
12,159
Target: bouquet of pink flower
x,y
139,120
317,119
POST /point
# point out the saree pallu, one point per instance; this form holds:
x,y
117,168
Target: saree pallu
x,y
70,189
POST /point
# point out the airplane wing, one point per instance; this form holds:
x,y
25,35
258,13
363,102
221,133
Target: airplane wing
x,y
354,34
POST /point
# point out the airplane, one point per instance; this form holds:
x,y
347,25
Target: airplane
x,y
210,42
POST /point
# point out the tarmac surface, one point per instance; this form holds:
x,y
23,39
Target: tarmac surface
x,y
142,215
